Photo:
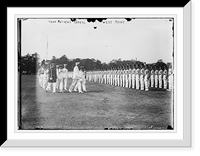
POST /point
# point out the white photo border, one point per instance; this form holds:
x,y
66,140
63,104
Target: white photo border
x,y
181,137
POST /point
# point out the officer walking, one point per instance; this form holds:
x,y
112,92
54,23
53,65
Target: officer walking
x,y
75,77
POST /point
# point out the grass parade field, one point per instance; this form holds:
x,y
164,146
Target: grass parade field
x,y
102,107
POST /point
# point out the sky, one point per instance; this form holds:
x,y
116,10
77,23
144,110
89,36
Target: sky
x,y
146,40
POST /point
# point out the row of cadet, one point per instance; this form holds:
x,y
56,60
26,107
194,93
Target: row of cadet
x,y
54,77
135,77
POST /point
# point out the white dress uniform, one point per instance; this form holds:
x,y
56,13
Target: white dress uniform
x,y
115,77
104,77
123,77
152,78
111,77
165,79
133,78
118,77
126,78
81,82
45,79
129,78
170,79
146,79
142,79
41,76
95,76
75,78
100,76
156,78
107,77
160,74
137,78
60,80
65,77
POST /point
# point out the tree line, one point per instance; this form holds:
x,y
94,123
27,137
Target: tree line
x,y
30,63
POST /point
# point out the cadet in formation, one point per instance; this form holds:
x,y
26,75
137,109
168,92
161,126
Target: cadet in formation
x,y
135,76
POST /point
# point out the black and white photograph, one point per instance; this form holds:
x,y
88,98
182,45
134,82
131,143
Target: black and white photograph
x,y
96,73
100,78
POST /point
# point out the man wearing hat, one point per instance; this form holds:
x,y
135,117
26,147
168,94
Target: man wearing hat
x,y
81,81
123,76
75,77
156,77
60,78
45,79
118,76
104,76
160,77
170,79
152,77
111,75
115,76
142,78
65,76
165,78
41,75
146,78
129,77
52,77
133,76
137,77
126,76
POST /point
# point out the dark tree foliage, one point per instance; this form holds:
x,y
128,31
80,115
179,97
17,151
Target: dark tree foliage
x,y
30,63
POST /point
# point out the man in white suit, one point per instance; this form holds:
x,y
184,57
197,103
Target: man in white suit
x,y
75,77
65,76
81,81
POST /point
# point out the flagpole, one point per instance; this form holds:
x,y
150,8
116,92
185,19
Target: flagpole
x,y
47,49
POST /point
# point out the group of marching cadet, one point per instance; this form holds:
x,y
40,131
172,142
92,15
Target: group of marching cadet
x,y
135,76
